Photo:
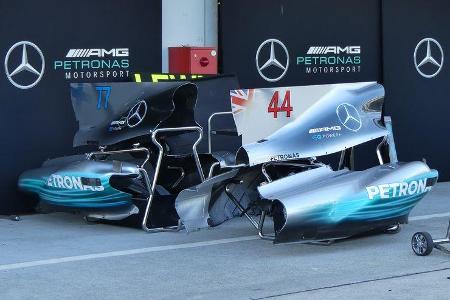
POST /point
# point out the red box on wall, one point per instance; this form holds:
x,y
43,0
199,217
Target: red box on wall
x,y
192,60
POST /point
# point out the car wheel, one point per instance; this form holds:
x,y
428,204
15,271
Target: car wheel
x,y
422,243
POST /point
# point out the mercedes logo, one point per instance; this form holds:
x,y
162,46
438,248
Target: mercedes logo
x,y
272,69
137,114
25,65
431,59
349,117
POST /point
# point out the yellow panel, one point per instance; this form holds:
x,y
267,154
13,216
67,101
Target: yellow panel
x,y
158,77
137,77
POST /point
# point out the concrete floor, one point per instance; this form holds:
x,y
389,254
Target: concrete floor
x,y
60,256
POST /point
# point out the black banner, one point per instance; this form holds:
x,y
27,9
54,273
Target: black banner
x,y
44,46
416,41
290,42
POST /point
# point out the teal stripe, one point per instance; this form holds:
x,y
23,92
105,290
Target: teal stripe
x,y
361,208
76,198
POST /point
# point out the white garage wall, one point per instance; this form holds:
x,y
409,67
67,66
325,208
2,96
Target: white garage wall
x,y
188,23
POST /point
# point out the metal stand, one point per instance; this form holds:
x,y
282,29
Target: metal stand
x,y
422,243
209,125
347,159
135,148
380,157
438,243
211,169
151,187
258,225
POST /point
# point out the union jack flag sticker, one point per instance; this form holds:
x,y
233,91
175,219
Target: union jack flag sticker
x,y
240,99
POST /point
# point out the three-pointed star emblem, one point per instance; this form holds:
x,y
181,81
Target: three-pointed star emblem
x,y
272,59
349,117
25,65
281,64
433,59
137,114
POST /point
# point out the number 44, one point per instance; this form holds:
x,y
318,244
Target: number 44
x,y
285,106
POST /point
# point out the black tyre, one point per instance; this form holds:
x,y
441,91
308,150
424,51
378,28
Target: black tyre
x,y
422,243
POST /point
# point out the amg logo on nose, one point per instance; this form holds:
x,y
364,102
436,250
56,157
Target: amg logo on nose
x,y
321,129
75,183
399,189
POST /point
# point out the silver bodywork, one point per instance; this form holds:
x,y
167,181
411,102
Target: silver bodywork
x,y
78,181
277,176
316,200
113,214
324,128
192,204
